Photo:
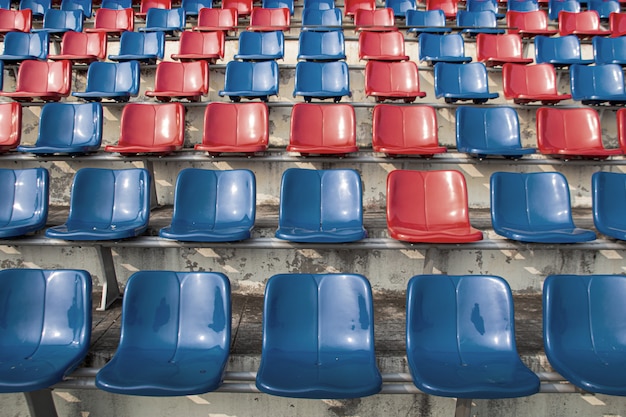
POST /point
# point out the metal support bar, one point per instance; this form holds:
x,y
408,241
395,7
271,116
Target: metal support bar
x,y
429,261
40,403
149,165
463,407
110,286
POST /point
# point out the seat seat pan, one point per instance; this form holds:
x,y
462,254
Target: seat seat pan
x,y
57,149
508,151
322,149
451,235
17,57
113,232
450,59
21,228
545,98
206,234
30,95
101,94
566,235
293,234
76,58
35,373
591,153
491,62
227,148
195,57
470,96
141,149
129,57
180,94
418,150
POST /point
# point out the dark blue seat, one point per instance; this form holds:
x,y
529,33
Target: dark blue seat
x,y
85,6
164,20
321,19
261,46
522,5
117,4
118,81
318,337
175,338
473,23
278,4
24,203
322,206
38,7
68,128
400,7
583,330
488,131
597,84
426,21
145,47
250,80
607,50
321,45
5,4
322,80
608,196
462,82
483,5
213,206
435,48
604,8
557,6
560,51
106,204
460,338
192,7
57,21
319,4
534,207
20,46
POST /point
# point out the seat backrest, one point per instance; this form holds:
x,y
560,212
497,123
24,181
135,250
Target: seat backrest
x,y
449,7
400,7
243,7
323,125
425,18
556,48
15,20
278,4
218,18
184,77
84,6
10,125
404,126
364,18
148,124
38,7
63,19
571,22
330,44
166,18
487,128
604,8
617,24
268,18
602,81
233,124
381,44
572,128
608,196
142,43
555,7
489,46
44,77
351,6
528,80
607,50
483,19
323,76
536,20
522,5
116,4
113,77
481,5
27,44
122,19
322,17
460,78
432,45
382,77
202,43
146,5
254,76
261,44
192,7
318,4
70,125
25,195
84,43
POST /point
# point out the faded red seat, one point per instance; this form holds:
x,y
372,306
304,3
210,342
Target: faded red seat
x,y
82,47
449,7
113,22
529,24
266,20
527,83
392,80
585,24
47,81
617,24
15,20
210,19
145,5
10,125
243,7
379,20
200,46
497,50
180,80
382,46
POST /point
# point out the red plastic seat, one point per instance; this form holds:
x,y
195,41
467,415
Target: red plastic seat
x,y
585,24
393,81
405,130
180,80
529,24
210,20
15,20
235,128
449,7
429,206
243,7
149,4
621,129
617,24
570,133
82,47
197,46
113,22
497,50
527,83
351,6
380,20
47,81
382,46
322,129
150,128
267,20
10,125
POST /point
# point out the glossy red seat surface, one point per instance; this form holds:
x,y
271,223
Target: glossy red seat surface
x,y
243,7
351,6
82,47
449,7
497,50
621,128
527,83
10,125
145,5
392,80
15,20
617,24
196,46
113,22
382,46
266,20
47,81
375,20
529,24
188,80
585,24
211,19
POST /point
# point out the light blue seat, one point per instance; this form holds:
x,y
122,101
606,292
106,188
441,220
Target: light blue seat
x,y
147,47
534,207
462,82
400,7
175,338
106,204
164,20
473,23
38,7
261,46
118,81
322,80
321,46
321,19
46,316
318,337
117,4
426,21
192,7
598,84
608,196
607,50
433,48
483,5
20,46
560,51
213,206
522,5
460,338
250,80
556,6
583,330
57,21
323,206
489,131
24,203
85,6
68,128
604,7
278,4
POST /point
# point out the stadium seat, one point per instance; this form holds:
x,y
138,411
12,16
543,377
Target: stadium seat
x,y
24,204
483,5
10,125
529,24
392,81
278,4
456,82
617,24
382,46
380,20
192,7
269,20
175,337
528,83
150,128
180,80
112,21
170,21
116,4
322,129
555,7
321,19
429,206
67,128
433,48
47,81
608,197
147,47
405,130
449,7
15,20
621,129
560,51
460,338
522,5
322,80
318,4
82,47
318,337
489,131
400,7
585,24
20,46
250,80
598,84
473,23
351,6
583,330
235,128
497,50
210,20
604,8
243,7
38,7
534,207
316,45
426,21
84,6
106,204
57,22
260,46
212,206
146,5
47,326
607,50
197,46
117,81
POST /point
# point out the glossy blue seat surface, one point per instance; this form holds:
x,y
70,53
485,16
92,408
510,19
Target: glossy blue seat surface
x,y
192,7
39,7
607,50
5,4
319,4
584,329
117,4
484,131
604,8
321,206
434,48
560,51
278,4
261,46
250,80
140,46
534,207
321,45
213,206
19,46
597,84
400,7
483,5
106,204
608,196
46,316
321,19
68,128
426,21
460,337
473,23
175,335
322,80
557,6
24,203
318,337
57,21
462,82
522,5
118,81
85,6
164,20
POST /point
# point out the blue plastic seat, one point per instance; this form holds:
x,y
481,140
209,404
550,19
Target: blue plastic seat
x,y
57,21
426,21
400,7
435,48
20,46
324,206
557,6
118,81
164,20
522,5
607,50
483,5
473,23
460,338
322,80
106,204
175,338
192,7
213,206
534,207
321,46
608,196
68,128
319,4
321,19
560,51
84,6
583,330
145,47
250,80
46,316
5,4
278,4
38,7
117,4
489,131
604,8
598,84
24,203
318,337
261,46
462,82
